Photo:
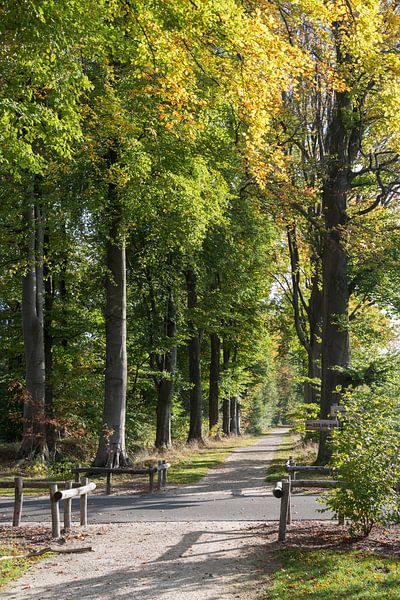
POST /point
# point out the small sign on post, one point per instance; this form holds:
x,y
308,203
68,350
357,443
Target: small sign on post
x,y
321,424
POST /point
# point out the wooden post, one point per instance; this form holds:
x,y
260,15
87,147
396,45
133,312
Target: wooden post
x,y
291,463
289,507
109,480
159,475
67,508
83,504
18,500
165,474
284,511
277,491
55,512
151,481
77,475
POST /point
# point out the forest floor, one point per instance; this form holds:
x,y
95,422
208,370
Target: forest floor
x,y
203,558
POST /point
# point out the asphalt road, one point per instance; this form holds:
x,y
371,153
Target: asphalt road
x,y
233,491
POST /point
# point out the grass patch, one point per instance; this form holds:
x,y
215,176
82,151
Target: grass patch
x,y
276,470
9,493
332,575
26,540
14,567
302,454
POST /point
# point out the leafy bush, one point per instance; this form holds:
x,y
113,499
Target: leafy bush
x,y
298,416
366,457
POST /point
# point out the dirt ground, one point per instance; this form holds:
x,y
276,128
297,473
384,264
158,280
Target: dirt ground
x,y
165,561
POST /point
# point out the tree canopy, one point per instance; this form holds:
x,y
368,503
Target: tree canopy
x,y
199,218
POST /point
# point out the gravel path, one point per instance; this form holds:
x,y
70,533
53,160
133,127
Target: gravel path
x,y
149,561
165,560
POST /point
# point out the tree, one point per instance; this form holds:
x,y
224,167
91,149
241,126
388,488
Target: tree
x,y
368,495
34,439
351,48
215,369
33,128
112,451
194,354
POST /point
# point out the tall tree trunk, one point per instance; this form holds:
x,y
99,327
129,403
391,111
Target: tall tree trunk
x,y
213,398
34,440
194,352
233,416
312,390
51,437
307,316
238,424
226,404
335,332
111,450
165,387
63,291
226,416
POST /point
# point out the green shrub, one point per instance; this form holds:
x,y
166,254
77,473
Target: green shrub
x,y
298,416
366,457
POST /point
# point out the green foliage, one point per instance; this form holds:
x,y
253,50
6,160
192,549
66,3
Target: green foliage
x,y
174,91
365,455
257,420
43,79
298,415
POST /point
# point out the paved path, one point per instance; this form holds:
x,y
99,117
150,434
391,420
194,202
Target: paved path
x,y
233,491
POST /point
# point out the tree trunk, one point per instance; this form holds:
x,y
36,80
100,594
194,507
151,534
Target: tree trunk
x,y
63,292
226,416
335,292
111,450
238,425
233,416
194,352
226,404
34,440
307,317
311,390
51,437
165,387
213,398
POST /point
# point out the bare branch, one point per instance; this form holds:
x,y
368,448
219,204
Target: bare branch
x,y
294,263
305,214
